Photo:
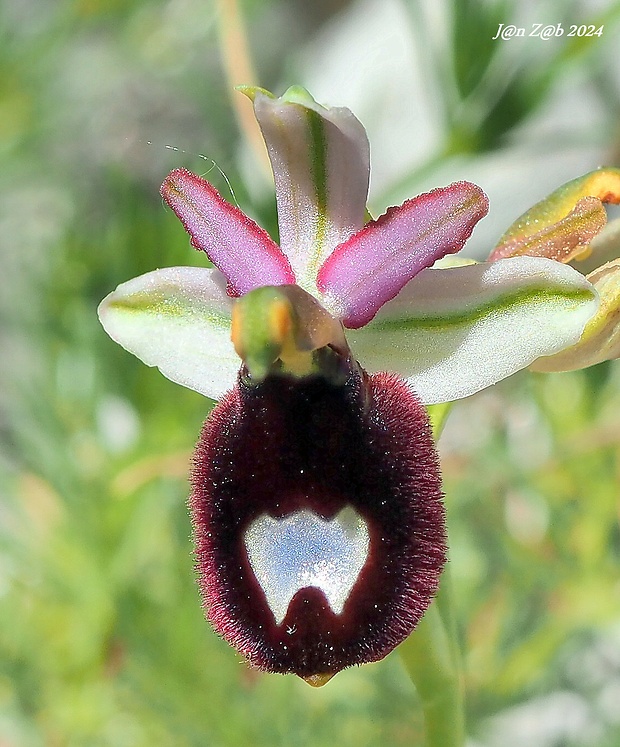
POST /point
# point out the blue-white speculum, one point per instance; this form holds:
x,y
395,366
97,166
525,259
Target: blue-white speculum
x,y
316,495
300,550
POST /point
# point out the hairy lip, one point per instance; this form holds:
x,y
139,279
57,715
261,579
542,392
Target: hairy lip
x,y
302,550
308,449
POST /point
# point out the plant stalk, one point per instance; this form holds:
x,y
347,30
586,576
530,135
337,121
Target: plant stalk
x,y
431,656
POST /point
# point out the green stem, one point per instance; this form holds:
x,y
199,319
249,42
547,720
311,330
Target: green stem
x,y
438,414
239,69
431,656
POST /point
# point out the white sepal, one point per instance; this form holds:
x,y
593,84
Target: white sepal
x,y
451,332
178,319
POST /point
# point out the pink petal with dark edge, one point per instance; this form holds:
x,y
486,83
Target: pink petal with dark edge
x,y
290,445
371,267
236,245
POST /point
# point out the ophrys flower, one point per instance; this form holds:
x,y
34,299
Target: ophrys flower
x,y
316,496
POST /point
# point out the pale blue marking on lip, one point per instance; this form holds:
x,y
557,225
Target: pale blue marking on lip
x,y
302,550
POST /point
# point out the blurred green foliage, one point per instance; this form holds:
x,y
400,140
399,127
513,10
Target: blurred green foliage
x,y
102,640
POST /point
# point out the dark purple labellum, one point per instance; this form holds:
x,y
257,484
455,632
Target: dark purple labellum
x,y
318,520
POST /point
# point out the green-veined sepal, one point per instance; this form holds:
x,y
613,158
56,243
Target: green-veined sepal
x,y
600,340
321,164
451,332
178,319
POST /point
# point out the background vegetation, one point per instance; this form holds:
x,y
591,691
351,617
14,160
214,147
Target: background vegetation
x,y
102,640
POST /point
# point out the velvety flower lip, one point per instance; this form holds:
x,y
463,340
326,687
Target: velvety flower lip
x,y
253,461
316,496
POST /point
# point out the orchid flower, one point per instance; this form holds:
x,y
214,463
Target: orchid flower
x,y
571,225
316,493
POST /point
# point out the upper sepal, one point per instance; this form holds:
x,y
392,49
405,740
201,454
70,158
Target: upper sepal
x,y
321,164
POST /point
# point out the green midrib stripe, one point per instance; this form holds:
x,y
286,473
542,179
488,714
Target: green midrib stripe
x,y
452,319
166,307
318,158
318,166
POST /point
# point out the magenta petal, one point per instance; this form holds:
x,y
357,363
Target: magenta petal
x,y
371,267
239,248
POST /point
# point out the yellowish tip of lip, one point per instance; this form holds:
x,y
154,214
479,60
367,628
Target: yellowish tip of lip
x,y
318,680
